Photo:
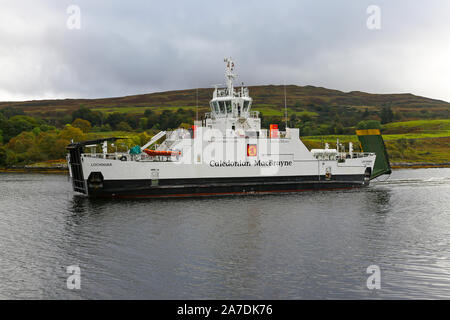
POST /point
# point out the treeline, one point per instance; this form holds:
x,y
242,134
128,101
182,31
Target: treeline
x,y
331,120
118,121
25,139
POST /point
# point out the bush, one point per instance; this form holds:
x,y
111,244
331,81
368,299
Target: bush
x,y
11,158
2,156
84,125
368,124
123,126
105,128
71,133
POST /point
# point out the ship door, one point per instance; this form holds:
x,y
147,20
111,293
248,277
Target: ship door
x,y
155,177
328,173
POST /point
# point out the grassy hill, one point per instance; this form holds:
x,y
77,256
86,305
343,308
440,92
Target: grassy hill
x,y
268,99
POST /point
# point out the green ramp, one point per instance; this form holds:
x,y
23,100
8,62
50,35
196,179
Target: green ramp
x,y
372,141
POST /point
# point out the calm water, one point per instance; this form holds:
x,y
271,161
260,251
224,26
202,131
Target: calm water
x,y
307,245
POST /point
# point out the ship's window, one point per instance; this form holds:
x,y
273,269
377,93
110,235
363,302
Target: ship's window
x,y
221,106
246,103
216,106
228,105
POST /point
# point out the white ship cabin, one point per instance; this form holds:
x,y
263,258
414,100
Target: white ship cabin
x,y
231,109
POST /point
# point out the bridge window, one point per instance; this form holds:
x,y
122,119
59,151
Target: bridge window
x,y
216,107
246,106
228,106
221,106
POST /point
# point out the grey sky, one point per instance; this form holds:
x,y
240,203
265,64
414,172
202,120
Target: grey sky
x,y
131,47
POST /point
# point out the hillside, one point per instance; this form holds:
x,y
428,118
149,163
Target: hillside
x,y
416,129
269,99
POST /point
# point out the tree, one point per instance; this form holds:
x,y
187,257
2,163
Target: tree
x,y
9,112
115,118
94,117
365,114
70,133
2,156
152,118
143,123
46,143
386,115
368,124
105,128
123,126
22,142
148,112
338,128
59,151
66,119
143,138
17,124
82,124
132,120
11,158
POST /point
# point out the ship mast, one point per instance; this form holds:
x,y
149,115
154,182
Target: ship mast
x,y
229,75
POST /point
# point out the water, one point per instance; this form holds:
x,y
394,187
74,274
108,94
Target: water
x,y
295,246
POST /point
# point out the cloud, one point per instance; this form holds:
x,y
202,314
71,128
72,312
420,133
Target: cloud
x,y
135,47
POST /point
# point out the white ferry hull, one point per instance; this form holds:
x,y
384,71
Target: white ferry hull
x,y
137,179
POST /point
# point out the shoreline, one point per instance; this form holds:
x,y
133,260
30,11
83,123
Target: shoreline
x,y
65,170
28,169
418,165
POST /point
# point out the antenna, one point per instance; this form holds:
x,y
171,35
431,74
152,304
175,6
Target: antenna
x,y
196,104
285,107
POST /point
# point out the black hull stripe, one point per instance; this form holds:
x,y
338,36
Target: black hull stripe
x,y
143,188
193,195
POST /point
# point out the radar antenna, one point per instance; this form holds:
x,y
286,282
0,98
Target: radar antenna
x,y
229,75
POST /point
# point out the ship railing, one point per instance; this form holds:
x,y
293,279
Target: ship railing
x,y
354,155
178,134
222,92
341,156
254,114
129,157
110,156
277,135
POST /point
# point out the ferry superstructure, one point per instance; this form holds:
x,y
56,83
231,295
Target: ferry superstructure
x,y
225,153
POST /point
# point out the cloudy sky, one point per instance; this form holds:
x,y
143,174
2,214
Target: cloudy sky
x,y
130,47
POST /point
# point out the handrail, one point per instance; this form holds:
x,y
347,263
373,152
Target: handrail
x,y
155,138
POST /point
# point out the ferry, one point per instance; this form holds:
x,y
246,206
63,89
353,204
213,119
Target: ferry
x,y
225,153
